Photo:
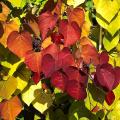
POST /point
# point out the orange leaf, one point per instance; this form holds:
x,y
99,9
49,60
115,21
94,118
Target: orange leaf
x,y
19,43
85,41
4,13
76,15
8,27
89,54
10,109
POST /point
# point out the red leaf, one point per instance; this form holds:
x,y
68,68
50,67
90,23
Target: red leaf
x,y
64,59
76,90
59,80
19,43
57,9
95,109
105,76
71,32
110,97
33,61
103,57
76,15
72,73
48,65
52,49
46,22
36,77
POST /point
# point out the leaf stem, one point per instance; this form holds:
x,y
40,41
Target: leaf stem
x,y
100,39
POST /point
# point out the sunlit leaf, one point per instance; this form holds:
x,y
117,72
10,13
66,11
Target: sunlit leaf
x,y
75,3
8,27
4,13
104,7
18,3
110,43
29,95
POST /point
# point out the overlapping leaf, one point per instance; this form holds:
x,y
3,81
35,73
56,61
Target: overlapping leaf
x,y
46,22
71,32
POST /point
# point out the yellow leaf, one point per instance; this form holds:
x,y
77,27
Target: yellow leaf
x,y
8,87
75,3
107,8
86,26
4,13
28,95
46,42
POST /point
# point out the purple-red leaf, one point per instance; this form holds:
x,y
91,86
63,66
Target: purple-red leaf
x,y
105,76
48,65
117,76
76,90
103,57
59,80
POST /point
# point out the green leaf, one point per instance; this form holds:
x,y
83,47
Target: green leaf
x,y
22,75
78,109
14,67
42,100
109,42
111,27
18,3
107,8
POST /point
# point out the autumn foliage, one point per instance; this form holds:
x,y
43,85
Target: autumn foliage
x,y
52,60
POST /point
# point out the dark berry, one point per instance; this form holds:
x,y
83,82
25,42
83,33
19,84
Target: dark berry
x,y
36,44
57,38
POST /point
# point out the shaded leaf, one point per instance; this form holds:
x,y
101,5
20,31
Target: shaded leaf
x,y
8,87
